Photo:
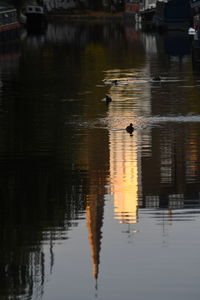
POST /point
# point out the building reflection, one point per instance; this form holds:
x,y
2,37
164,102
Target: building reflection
x,y
154,168
124,171
42,194
37,208
170,172
170,177
125,154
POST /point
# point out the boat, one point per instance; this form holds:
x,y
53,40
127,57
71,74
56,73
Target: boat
x,y
191,31
147,13
8,18
35,18
195,9
172,15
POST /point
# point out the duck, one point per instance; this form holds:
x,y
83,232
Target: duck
x,y
108,99
156,78
130,128
115,82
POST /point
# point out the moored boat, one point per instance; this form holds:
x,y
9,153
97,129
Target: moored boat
x,y
8,18
172,15
195,9
147,16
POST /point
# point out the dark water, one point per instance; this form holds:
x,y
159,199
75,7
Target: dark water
x,y
86,209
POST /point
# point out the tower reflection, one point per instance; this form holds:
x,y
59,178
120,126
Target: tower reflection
x,y
124,171
94,216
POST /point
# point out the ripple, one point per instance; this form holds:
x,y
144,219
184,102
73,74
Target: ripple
x,y
145,121
119,123
121,81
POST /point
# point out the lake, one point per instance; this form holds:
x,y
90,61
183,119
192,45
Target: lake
x,y
87,210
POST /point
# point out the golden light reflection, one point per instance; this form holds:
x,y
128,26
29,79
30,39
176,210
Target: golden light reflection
x,y
125,177
192,157
124,153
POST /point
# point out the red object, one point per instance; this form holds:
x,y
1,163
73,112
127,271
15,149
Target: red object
x,y
132,7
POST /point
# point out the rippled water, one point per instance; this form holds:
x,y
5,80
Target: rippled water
x,y
88,210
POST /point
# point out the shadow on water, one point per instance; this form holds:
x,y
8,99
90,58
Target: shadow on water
x,y
40,202
41,193
41,197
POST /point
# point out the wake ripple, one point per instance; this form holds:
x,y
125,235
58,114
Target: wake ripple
x,y
119,123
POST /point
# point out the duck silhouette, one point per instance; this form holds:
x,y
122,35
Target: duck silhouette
x,y
130,128
115,82
156,78
108,99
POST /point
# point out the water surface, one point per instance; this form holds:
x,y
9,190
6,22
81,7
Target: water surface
x,y
88,210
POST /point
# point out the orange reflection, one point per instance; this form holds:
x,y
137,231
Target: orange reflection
x,y
124,173
94,217
124,154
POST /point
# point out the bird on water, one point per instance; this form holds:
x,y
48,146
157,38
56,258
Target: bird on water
x,y
115,82
108,99
130,128
156,78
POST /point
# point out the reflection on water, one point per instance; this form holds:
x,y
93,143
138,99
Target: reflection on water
x,y
81,199
124,160
125,178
